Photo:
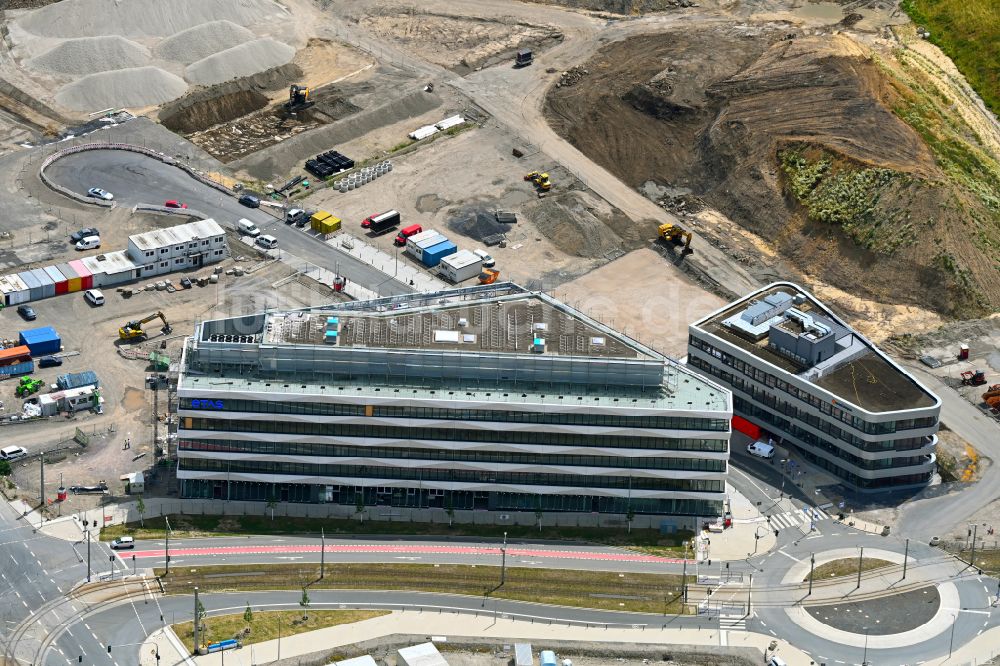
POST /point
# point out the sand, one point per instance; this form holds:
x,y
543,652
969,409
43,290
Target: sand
x,y
201,41
242,60
91,54
130,88
139,18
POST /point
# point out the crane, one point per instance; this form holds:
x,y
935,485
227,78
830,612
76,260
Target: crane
x,y
133,330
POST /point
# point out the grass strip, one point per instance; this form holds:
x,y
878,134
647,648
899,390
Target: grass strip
x,y
266,625
194,526
847,566
607,590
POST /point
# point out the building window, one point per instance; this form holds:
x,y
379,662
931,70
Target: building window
x,y
164,264
148,253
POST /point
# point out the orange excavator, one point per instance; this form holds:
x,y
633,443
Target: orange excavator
x,y
992,398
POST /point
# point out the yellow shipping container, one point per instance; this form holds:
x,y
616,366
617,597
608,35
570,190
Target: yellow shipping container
x,y
74,284
317,218
329,225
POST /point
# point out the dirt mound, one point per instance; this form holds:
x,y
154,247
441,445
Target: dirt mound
x,y
459,43
137,18
131,88
796,140
627,7
243,60
87,55
201,41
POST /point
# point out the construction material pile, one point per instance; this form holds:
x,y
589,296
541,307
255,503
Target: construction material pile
x,y
88,55
201,41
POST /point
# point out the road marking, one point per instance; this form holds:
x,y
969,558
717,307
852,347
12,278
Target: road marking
x,y
95,637
771,631
979,632
792,557
967,610
763,624
12,558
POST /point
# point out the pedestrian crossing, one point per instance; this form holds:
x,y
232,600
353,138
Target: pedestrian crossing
x,y
733,622
798,517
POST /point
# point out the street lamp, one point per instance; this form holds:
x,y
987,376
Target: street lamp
x,y
864,658
757,537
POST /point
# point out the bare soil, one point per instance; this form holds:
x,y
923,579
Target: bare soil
x,y
711,110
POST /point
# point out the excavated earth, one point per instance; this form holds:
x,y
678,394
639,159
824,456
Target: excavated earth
x,y
718,112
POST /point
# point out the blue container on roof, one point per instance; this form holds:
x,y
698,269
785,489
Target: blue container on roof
x,y
77,379
41,341
432,256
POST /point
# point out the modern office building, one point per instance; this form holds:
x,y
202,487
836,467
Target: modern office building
x,y
798,371
487,397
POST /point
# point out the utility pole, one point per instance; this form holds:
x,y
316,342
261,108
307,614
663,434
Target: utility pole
x,y
972,560
503,560
864,659
166,549
861,558
749,592
197,620
812,565
684,575
322,553
88,555
42,491
906,553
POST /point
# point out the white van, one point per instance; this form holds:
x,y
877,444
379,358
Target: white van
x,y
94,296
267,242
488,261
89,243
761,449
247,228
775,660
13,452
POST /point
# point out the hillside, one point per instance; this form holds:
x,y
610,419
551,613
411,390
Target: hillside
x,y
848,164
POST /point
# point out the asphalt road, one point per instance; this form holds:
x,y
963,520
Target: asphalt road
x,y
135,178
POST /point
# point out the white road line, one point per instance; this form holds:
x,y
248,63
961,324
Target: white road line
x,y
95,637
791,557
12,558
771,631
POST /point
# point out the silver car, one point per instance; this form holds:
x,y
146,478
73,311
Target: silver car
x,y
98,193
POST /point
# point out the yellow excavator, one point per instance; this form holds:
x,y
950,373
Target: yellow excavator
x,y
677,235
541,180
298,98
133,330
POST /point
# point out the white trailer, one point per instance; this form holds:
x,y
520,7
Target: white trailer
x,y
461,266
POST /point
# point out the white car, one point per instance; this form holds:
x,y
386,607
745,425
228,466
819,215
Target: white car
x,y
488,261
13,452
89,243
98,193
267,242
123,542
94,296
761,449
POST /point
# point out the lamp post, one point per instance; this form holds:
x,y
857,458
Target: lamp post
x,y
864,658
503,560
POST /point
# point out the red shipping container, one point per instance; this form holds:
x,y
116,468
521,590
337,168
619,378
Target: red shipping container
x,y
749,429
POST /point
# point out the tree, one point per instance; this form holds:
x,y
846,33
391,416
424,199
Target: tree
x,y
5,468
200,620
248,617
630,516
304,602
450,510
272,502
140,506
359,507
538,512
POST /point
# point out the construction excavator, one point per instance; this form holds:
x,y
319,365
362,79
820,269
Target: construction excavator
x,y
133,330
677,235
541,180
298,98
27,386
992,398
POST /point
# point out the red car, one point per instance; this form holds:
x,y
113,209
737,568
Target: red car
x,y
173,203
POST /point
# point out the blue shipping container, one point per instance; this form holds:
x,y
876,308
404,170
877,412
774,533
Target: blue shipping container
x,y
77,379
17,369
433,255
41,341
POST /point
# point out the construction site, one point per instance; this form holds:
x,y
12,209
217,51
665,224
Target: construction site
x,y
644,162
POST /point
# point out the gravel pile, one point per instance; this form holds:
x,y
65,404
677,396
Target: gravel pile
x,y
91,54
137,18
131,88
201,41
243,60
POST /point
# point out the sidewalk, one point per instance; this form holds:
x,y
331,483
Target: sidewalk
x,y
392,266
741,540
455,626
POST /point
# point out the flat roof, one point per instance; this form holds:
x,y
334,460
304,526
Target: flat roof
x,y
182,233
522,325
861,376
109,262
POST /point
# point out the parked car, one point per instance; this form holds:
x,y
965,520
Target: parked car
x,y
98,193
761,449
78,236
49,361
174,203
267,242
294,215
89,243
13,452
123,542
250,201
186,282
94,296
27,312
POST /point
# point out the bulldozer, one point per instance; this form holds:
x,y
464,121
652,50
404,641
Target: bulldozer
x,y
27,386
541,180
488,276
298,98
133,330
677,235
